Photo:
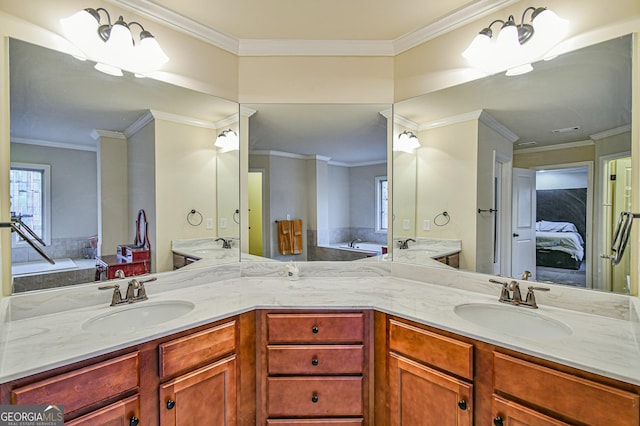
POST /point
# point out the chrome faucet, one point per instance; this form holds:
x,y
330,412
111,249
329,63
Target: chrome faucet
x,y
355,240
226,244
515,297
132,295
403,245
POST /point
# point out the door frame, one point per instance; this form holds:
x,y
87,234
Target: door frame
x,y
504,212
588,241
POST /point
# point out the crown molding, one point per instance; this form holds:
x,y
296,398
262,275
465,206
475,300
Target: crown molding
x,y
182,119
569,145
247,112
405,122
52,144
611,132
269,47
100,133
454,20
448,121
181,23
490,121
258,47
137,125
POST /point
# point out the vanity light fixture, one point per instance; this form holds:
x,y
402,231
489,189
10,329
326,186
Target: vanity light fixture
x,y
112,45
517,45
407,142
227,140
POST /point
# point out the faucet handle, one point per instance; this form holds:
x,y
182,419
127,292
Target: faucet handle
x,y
116,298
504,294
530,301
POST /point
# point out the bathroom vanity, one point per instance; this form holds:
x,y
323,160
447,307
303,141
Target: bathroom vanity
x,y
348,347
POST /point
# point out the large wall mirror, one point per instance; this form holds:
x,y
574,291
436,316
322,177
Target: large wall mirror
x,y
521,176
317,181
90,150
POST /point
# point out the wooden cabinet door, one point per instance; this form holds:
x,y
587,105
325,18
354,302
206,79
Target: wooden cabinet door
x,y
421,396
121,413
206,396
508,413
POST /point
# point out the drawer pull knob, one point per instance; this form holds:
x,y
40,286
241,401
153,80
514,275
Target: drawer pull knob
x,y
170,404
134,421
314,399
498,421
315,329
462,404
314,362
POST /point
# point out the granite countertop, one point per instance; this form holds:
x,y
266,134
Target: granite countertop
x,y
44,330
422,250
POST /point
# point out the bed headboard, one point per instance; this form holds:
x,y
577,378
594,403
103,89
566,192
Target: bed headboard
x,y
563,205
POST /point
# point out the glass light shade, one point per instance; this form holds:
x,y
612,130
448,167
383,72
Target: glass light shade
x,y
108,69
507,40
148,55
119,46
227,140
549,29
79,25
82,30
479,47
407,142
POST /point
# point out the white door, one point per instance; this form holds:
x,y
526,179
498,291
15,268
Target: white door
x,y
523,223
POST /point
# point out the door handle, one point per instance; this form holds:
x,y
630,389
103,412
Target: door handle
x,y
515,235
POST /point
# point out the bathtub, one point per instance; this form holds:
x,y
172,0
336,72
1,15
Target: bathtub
x,y
363,247
42,267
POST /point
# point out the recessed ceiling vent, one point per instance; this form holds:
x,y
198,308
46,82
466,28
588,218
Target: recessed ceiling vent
x,y
566,129
527,143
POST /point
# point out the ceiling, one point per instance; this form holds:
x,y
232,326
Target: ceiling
x,y
57,98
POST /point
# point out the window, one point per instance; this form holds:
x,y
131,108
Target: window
x,y
382,204
29,196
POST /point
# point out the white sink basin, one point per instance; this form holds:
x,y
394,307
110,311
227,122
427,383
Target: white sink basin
x,y
513,320
139,315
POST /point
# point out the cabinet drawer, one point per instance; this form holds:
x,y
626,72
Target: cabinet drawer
x,y
120,413
315,422
570,397
439,351
315,359
193,350
86,386
516,414
314,396
315,328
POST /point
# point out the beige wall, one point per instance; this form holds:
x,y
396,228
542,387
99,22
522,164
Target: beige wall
x,y
534,158
113,195
316,79
141,171
185,178
447,181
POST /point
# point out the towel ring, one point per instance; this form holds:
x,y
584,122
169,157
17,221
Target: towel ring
x,y
446,220
190,215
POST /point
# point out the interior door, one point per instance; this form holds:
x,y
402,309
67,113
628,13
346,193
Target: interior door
x,y
523,223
